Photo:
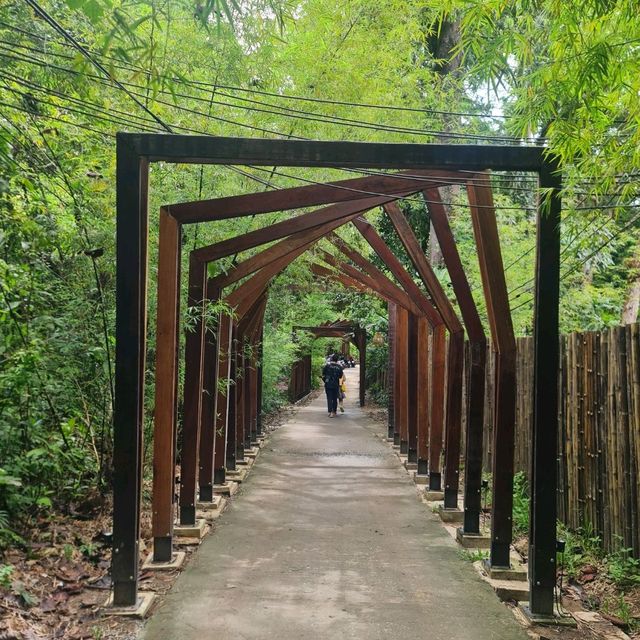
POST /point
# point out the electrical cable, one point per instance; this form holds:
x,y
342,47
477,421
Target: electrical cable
x,y
67,36
593,253
331,120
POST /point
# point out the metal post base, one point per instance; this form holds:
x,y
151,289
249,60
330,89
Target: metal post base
x,y
188,515
206,492
471,523
450,499
501,556
163,549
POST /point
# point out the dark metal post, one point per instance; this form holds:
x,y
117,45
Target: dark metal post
x,y
454,418
259,383
473,448
412,380
542,546
232,445
391,342
193,377
131,325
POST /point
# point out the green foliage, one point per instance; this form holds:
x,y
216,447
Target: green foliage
x,y
221,68
473,555
521,502
581,547
6,570
617,606
377,362
622,568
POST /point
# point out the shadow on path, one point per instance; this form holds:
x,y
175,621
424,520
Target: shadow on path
x,y
328,540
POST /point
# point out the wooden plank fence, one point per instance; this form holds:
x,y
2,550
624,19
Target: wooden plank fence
x,y
300,379
599,434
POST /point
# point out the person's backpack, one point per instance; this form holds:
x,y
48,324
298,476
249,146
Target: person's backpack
x,y
332,375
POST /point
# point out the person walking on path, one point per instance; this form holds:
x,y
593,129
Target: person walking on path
x,y
342,393
332,374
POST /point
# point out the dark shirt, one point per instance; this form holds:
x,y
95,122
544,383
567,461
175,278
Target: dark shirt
x,y
331,374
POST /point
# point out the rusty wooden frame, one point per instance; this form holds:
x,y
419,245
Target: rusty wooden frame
x,y
485,229
338,330
454,364
476,378
135,152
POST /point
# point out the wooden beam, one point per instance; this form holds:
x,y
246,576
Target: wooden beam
x,y
455,365
485,229
206,454
132,176
165,388
402,375
438,349
292,242
285,228
310,195
205,149
391,340
395,266
419,260
374,279
194,360
412,390
476,377
422,395
222,398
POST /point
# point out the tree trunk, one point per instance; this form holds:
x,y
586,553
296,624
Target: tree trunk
x,y
632,304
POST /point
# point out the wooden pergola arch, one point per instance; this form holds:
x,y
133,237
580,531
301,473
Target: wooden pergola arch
x,y
346,330
423,168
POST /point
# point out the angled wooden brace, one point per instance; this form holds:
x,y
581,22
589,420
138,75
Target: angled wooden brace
x,y
485,229
435,319
454,356
374,279
312,223
432,284
310,195
476,374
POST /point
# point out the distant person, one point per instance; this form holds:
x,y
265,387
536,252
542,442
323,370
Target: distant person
x,y
332,374
342,393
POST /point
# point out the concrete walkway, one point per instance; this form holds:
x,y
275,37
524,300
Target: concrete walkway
x,y
327,540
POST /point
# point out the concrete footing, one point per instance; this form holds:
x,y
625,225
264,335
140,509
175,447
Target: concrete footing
x,y
558,619
238,475
419,478
517,571
177,560
410,466
214,504
229,488
517,590
450,515
138,610
473,540
433,496
196,530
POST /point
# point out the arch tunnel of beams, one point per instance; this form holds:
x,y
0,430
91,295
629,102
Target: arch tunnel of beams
x,y
426,337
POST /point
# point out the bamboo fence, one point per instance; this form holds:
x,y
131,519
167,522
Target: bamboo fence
x,y
599,430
